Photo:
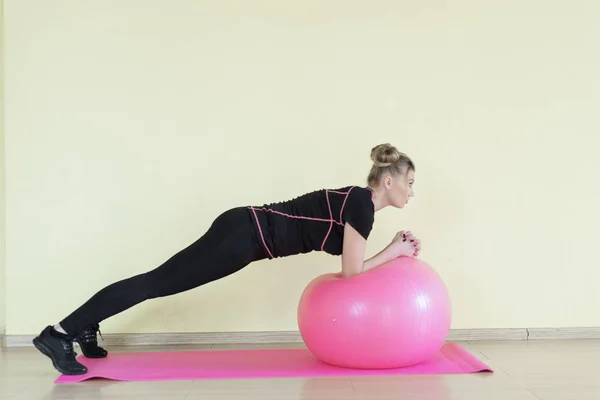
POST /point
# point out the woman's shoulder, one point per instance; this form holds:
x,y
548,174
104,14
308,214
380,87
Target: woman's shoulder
x,y
359,193
358,209
356,199
352,189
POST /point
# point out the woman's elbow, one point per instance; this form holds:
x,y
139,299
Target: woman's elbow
x,y
348,271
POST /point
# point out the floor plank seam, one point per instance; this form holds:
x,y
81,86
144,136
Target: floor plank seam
x,y
506,372
533,394
353,387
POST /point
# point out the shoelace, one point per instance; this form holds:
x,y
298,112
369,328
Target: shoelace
x,y
68,347
89,335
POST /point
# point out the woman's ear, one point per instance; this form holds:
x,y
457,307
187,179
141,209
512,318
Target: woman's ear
x,y
387,182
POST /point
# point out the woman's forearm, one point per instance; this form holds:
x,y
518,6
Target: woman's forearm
x,y
385,255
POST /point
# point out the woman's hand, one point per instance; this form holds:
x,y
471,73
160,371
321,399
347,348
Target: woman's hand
x,y
405,244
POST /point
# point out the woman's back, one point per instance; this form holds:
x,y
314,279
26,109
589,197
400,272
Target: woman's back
x,y
314,221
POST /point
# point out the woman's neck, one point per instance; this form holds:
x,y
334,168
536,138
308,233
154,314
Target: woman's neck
x,y
378,197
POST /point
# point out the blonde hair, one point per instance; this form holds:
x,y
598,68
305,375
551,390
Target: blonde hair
x,y
388,160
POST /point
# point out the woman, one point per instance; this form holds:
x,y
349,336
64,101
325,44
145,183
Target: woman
x,y
335,221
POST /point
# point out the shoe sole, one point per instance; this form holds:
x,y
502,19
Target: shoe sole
x,y
45,351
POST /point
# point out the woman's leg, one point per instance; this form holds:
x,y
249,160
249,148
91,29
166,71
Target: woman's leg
x,y
228,246
225,248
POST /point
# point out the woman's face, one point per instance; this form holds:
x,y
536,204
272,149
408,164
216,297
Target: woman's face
x,y
400,189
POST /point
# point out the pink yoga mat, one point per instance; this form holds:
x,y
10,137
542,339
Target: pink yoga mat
x,y
269,363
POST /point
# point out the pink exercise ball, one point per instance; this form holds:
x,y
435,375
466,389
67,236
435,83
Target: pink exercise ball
x,y
392,316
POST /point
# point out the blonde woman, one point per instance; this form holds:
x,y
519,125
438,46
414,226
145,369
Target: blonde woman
x,y
336,221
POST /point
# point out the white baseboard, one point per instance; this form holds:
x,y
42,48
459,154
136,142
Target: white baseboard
x,y
179,338
462,335
564,333
270,338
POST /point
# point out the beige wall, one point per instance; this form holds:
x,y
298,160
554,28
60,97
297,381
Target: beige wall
x,y
2,189
130,126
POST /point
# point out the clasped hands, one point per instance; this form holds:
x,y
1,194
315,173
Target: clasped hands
x,y
406,244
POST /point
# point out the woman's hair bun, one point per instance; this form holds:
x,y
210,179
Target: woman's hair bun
x,y
384,155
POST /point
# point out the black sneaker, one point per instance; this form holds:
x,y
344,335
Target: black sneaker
x,y
88,342
59,348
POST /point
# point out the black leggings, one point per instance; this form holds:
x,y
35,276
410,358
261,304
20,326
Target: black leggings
x,y
230,244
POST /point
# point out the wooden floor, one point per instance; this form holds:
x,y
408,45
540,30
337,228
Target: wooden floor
x,y
533,370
